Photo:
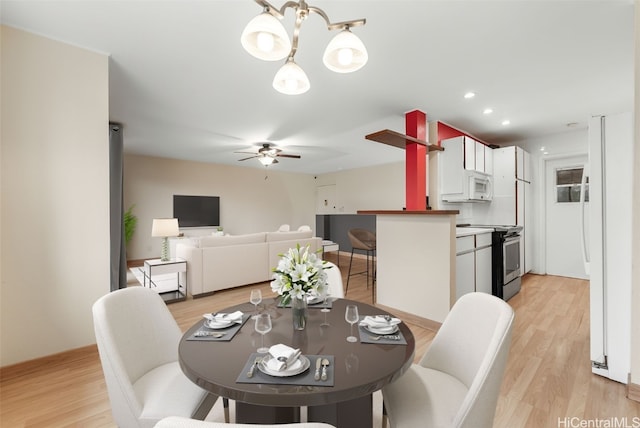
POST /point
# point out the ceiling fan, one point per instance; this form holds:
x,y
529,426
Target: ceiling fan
x,y
267,154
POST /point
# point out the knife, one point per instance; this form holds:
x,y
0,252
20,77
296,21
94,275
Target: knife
x,y
316,376
253,367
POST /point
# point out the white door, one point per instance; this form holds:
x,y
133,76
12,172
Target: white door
x,y
562,240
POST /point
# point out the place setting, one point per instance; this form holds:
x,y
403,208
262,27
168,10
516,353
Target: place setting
x,y
219,326
381,329
284,365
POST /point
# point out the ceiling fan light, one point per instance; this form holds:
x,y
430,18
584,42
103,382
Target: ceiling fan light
x,y
291,79
266,160
265,38
345,53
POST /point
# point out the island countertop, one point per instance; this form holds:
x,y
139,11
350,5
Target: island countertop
x,y
407,212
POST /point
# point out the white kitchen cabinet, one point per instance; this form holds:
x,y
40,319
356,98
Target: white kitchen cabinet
x,y
466,153
480,163
483,263
473,264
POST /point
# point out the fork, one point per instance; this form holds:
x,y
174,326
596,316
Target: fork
x,y
387,336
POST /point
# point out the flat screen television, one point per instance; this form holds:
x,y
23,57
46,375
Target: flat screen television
x,y
196,211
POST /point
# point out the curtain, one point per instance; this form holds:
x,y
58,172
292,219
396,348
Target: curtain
x,y
118,263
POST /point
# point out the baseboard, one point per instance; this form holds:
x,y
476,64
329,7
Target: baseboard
x,y
633,390
412,319
20,369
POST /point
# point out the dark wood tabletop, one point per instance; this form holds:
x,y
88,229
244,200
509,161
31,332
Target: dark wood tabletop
x,y
359,369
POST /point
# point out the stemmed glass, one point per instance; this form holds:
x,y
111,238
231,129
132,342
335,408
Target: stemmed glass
x,y
351,316
263,326
256,298
325,296
325,309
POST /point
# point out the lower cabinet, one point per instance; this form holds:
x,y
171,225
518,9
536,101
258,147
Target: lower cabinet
x,y
473,264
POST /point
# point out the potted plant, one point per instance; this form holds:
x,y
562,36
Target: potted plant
x,y
130,221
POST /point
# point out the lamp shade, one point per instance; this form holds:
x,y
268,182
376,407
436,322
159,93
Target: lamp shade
x,y
267,160
291,79
345,53
163,227
265,38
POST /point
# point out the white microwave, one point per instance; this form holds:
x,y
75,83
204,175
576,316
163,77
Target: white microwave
x,y
473,187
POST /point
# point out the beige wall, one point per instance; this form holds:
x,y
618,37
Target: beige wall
x,y
373,188
55,192
251,200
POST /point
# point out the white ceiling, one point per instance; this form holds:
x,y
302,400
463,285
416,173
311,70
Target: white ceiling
x,y
183,86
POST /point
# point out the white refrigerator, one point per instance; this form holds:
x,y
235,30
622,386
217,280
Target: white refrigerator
x,y
607,242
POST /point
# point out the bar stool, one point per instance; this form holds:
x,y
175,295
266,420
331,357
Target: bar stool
x,y
362,240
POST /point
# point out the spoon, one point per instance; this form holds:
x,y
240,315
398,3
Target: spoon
x,y
209,333
325,363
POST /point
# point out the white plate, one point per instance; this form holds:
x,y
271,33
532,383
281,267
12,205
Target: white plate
x,y
314,300
382,330
218,324
299,366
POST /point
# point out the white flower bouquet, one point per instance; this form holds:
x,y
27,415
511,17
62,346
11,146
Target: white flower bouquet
x,y
299,275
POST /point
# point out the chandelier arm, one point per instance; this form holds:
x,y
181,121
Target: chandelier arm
x,y
296,33
336,25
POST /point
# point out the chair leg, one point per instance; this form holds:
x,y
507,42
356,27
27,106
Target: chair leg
x,y
367,269
225,407
349,274
385,417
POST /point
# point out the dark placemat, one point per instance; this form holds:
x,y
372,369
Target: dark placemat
x,y
228,332
396,338
319,305
305,378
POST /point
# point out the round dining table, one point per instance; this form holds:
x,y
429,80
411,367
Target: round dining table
x,y
358,369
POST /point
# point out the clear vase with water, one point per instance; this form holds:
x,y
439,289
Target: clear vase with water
x,y
299,313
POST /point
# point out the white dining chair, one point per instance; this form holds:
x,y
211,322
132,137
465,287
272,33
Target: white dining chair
x,y
457,382
284,228
334,280
304,228
178,422
137,341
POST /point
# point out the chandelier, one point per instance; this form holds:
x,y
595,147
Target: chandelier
x,y
266,38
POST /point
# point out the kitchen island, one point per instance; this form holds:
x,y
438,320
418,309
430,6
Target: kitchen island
x,y
416,253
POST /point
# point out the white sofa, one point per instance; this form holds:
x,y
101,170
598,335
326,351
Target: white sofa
x,y
220,262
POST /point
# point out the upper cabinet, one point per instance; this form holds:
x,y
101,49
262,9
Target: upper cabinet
x,y
523,165
472,154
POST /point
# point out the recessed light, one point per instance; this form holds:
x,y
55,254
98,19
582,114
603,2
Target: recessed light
x,y
506,122
545,153
469,95
542,149
572,124
487,111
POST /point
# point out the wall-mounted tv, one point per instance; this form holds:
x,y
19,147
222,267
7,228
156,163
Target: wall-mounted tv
x,y
196,211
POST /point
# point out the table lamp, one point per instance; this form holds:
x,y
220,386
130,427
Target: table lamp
x,y
164,228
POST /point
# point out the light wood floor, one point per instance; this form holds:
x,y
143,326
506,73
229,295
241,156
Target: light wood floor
x,y
548,374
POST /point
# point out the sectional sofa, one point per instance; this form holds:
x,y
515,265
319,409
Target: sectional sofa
x,y
220,262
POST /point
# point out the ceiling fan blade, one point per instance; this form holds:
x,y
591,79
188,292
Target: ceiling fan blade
x,y
248,153
250,157
280,155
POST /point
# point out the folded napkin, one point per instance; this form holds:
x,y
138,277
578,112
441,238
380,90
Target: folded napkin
x,y
380,322
283,357
235,317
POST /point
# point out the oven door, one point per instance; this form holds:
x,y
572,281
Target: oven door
x,y
511,258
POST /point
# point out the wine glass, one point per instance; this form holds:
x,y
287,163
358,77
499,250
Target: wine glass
x,y
263,326
351,316
325,296
256,298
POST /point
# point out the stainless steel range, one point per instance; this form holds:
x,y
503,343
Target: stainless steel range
x,y
506,261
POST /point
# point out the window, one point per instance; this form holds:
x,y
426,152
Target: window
x,y
568,185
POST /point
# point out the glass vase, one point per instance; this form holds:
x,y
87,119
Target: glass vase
x,y
299,313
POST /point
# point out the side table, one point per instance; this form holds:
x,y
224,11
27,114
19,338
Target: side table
x,y
329,246
155,267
